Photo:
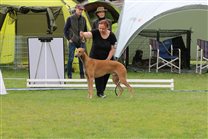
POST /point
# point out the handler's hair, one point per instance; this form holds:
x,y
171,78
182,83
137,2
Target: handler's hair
x,y
104,22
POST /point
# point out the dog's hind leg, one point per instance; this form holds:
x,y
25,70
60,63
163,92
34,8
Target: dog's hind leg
x,y
130,90
117,83
120,89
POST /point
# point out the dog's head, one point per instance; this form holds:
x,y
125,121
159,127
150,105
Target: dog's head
x,y
80,52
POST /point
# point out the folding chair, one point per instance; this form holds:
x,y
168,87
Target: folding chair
x,y
201,55
163,53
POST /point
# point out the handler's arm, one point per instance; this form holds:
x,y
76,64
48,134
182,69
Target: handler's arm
x,y
86,35
111,53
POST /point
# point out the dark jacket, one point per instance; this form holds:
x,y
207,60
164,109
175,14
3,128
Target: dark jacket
x,y
73,26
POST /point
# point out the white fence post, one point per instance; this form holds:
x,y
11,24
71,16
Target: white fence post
x,y
2,86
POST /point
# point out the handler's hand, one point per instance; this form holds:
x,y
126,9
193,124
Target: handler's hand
x,y
70,41
81,33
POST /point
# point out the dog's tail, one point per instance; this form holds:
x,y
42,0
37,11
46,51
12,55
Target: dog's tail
x,y
116,88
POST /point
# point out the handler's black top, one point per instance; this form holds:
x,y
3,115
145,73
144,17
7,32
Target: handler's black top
x,y
101,47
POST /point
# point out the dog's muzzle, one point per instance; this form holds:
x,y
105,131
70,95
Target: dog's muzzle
x,y
76,55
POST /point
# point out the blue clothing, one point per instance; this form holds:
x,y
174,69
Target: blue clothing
x,y
72,48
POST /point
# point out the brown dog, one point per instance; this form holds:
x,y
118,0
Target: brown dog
x,y
96,68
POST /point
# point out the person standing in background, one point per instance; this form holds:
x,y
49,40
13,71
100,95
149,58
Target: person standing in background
x,y
74,24
101,15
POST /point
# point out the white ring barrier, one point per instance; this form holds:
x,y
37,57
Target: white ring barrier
x,y
82,83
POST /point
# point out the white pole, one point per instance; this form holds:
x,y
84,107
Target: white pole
x,y
2,87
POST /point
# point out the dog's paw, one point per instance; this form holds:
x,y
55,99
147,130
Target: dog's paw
x,y
90,97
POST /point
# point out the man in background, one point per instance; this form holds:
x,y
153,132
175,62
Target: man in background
x,y
74,24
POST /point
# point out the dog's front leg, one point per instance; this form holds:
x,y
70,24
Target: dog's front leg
x,y
90,87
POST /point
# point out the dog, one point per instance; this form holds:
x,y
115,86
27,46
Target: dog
x,y
97,68
137,59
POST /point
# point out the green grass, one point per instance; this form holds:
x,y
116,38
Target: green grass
x,y
152,113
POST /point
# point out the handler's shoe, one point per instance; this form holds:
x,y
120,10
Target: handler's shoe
x,y
102,96
82,76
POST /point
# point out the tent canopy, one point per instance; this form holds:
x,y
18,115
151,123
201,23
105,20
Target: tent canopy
x,y
136,15
48,3
20,19
51,14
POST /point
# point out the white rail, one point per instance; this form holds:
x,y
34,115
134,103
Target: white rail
x,y
82,83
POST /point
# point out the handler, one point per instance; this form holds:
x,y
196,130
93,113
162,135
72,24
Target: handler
x,y
103,47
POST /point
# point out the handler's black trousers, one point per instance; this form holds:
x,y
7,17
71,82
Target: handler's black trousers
x,y
101,83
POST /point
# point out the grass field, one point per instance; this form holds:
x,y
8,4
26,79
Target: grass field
x,y
152,113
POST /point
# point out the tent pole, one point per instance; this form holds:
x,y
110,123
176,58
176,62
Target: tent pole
x,y
158,35
188,43
127,56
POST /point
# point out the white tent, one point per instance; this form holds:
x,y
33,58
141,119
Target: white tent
x,y
138,14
